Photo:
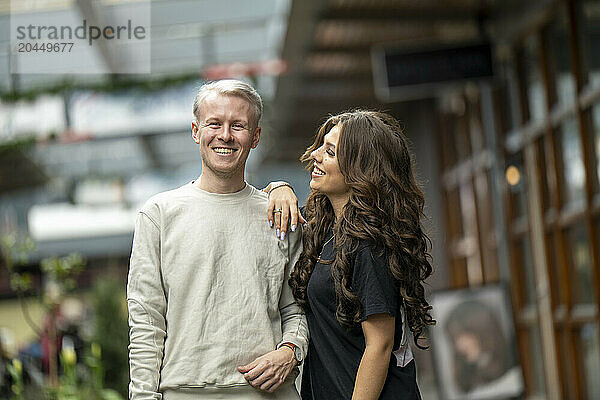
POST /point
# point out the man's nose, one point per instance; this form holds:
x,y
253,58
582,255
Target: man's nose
x,y
225,134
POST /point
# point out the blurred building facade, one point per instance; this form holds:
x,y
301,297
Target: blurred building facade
x,y
80,152
509,164
520,158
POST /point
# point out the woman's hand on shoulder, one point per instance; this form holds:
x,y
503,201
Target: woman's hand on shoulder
x,y
283,211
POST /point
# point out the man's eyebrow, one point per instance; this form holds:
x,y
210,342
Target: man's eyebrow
x,y
328,143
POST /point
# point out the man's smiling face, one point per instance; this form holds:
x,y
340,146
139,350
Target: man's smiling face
x,y
225,135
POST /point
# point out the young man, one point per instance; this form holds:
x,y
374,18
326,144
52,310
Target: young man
x,y
210,310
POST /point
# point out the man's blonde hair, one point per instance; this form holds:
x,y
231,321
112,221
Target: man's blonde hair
x,y
231,87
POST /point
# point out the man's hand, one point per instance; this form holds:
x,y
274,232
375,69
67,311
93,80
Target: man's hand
x,y
283,208
269,371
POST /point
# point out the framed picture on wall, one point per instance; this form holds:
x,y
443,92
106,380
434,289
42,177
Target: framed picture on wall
x,y
473,344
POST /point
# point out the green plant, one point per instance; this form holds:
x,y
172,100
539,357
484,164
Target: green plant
x,y
81,381
15,250
61,273
94,363
63,270
111,332
68,389
15,369
17,145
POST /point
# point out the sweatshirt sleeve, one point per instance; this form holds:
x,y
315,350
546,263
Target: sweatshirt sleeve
x,y
293,320
146,303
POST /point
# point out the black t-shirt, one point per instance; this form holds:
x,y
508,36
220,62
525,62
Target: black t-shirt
x,y
334,353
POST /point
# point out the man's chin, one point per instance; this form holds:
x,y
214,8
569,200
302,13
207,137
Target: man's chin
x,y
224,172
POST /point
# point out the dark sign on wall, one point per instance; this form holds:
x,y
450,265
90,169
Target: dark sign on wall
x,y
400,74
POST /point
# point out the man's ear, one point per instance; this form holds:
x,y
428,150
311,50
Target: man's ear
x,y
195,132
256,137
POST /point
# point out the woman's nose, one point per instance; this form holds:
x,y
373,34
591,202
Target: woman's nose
x,y
315,154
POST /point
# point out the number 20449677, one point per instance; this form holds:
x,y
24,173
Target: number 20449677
x,y
62,47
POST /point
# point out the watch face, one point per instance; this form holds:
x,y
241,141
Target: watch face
x,y
298,354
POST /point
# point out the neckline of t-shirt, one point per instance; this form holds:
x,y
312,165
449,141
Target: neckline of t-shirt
x,y
235,197
329,249
327,243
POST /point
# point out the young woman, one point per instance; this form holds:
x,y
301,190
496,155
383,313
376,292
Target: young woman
x,y
364,261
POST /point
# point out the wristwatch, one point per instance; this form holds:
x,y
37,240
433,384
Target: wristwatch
x,y
297,351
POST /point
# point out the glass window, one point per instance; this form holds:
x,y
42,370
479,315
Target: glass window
x,y
467,204
462,136
589,12
595,111
558,37
492,273
590,354
454,213
573,168
543,173
448,148
535,344
484,203
564,355
522,247
460,276
580,275
535,92
507,109
475,124
551,259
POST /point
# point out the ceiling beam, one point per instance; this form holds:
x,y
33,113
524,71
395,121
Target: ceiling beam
x,y
359,76
400,14
92,12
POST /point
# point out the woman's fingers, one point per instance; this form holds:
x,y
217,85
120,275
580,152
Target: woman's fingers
x,y
270,209
285,217
283,213
294,217
277,218
301,218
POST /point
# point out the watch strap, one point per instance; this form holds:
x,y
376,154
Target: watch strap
x,y
295,349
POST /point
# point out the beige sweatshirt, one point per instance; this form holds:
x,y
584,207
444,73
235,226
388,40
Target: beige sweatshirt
x,y
207,290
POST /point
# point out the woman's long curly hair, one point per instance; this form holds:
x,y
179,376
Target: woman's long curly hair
x,y
385,208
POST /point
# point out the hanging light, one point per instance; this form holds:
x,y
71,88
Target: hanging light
x,y
513,175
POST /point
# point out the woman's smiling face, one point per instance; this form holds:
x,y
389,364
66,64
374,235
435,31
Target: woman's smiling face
x,y
326,175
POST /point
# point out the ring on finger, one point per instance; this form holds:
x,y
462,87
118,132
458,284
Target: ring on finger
x,y
276,211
